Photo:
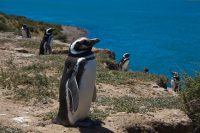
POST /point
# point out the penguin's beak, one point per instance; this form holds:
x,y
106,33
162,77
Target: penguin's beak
x,y
93,41
53,29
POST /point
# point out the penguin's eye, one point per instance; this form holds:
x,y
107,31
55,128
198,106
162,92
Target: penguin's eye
x,y
78,44
84,42
77,47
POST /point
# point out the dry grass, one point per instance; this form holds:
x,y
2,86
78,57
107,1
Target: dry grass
x,y
140,105
14,23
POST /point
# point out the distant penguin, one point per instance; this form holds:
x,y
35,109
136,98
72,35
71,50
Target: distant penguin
x,y
124,62
146,70
175,81
47,41
25,31
77,87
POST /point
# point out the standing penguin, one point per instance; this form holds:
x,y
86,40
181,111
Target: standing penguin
x,y
77,87
47,41
25,31
175,81
124,62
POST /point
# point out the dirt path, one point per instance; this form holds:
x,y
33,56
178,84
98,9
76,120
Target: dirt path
x,y
29,118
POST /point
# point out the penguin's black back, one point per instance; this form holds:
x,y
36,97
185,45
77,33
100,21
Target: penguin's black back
x,y
67,73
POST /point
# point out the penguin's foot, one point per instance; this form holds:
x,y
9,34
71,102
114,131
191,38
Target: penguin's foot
x,y
86,123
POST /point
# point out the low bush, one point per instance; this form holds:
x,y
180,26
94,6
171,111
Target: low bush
x,y
162,81
6,129
141,105
61,37
4,27
191,97
14,23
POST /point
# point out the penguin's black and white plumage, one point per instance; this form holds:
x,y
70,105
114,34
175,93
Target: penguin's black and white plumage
x,y
25,31
124,62
77,87
175,81
47,42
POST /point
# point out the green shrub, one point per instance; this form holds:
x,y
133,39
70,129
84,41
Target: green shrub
x,y
141,105
14,23
98,114
162,81
191,97
5,129
4,27
61,37
31,81
49,116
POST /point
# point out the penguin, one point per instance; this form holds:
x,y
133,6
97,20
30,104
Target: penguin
x,y
47,41
25,31
77,86
124,62
146,70
175,81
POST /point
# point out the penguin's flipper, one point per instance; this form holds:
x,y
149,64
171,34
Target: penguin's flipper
x,y
73,91
94,94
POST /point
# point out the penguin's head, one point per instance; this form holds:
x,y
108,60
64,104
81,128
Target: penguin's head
x,y
82,45
24,26
126,55
49,30
175,74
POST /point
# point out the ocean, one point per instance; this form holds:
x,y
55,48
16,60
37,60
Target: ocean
x,y
163,35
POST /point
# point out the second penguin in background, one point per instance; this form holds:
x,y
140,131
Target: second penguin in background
x,y
124,62
25,31
47,41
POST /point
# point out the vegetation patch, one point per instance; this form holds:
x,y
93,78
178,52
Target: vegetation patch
x,y
28,44
191,97
4,27
14,23
140,105
115,77
33,81
49,116
118,77
97,114
5,129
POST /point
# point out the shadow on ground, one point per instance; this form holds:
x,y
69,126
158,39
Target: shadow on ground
x,y
99,129
95,129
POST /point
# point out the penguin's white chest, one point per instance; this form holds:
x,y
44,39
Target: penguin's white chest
x,y
86,86
125,65
24,33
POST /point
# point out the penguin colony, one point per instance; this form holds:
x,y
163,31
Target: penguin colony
x,y
77,87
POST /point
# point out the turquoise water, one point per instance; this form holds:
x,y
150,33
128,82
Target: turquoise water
x,y
163,35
